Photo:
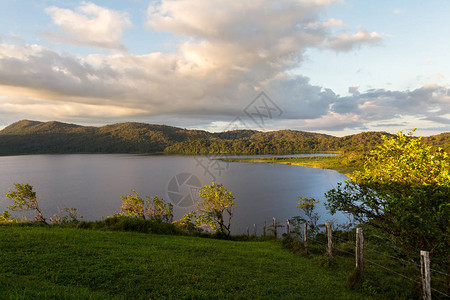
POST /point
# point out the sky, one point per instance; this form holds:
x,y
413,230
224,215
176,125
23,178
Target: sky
x,y
330,66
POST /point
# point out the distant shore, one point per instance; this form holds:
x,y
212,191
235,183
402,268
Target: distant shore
x,y
337,163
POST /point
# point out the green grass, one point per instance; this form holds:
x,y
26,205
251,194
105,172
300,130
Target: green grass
x,y
338,163
67,263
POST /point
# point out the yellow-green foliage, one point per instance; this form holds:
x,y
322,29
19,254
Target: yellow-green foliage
x,y
406,161
65,215
24,198
404,189
6,218
216,201
153,207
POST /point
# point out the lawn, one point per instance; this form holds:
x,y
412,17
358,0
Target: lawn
x,y
69,263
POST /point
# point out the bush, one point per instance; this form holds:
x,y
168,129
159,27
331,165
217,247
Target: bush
x,y
124,223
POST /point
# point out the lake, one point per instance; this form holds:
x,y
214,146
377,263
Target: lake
x,y
94,183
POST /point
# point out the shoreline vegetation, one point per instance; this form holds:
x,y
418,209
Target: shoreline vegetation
x,y
340,163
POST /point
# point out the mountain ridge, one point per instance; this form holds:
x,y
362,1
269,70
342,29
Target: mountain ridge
x,y
34,137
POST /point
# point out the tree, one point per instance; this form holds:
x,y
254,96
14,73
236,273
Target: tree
x,y
153,207
24,198
133,205
65,216
404,189
157,208
216,201
311,217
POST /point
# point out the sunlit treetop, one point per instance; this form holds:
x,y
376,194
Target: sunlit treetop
x,y
405,160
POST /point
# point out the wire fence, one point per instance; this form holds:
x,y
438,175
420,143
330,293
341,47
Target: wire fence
x,y
373,256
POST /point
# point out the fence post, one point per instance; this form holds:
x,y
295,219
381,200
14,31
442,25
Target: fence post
x,y
248,233
264,229
426,275
359,252
329,240
288,228
305,236
254,229
275,227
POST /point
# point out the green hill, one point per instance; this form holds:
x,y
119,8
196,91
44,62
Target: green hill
x,y
29,137
441,140
32,137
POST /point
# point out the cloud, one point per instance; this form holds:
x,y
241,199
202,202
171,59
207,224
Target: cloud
x,y
346,42
332,22
354,90
228,52
429,102
90,25
441,120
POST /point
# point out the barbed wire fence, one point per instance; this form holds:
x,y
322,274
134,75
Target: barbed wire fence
x,y
439,286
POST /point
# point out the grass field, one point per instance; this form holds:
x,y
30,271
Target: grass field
x,y
68,263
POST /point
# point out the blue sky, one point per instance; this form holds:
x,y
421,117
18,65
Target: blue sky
x,y
337,67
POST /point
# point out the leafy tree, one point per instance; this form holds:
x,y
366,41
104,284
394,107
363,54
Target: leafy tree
x,y
404,190
216,201
66,215
5,217
24,198
153,207
311,217
188,223
157,208
133,205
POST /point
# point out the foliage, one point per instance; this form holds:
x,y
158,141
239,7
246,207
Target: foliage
x,y
404,190
216,201
133,205
308,206
24,198
153,207
31,137
157,208
187,223
7,218
124,223
311,217
65,216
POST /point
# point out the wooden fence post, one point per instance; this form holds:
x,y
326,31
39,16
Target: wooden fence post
x,y
288,228
329,240
248,233
426,275
305,236
254,229
275,227
359,252
264,229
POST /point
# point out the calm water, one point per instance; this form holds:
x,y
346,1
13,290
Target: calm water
x,y
94,184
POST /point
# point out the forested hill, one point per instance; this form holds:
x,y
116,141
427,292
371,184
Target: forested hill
x,y
32,137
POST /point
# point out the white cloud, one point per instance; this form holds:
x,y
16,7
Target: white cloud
x,y
90,25
332,22
230,50
346,42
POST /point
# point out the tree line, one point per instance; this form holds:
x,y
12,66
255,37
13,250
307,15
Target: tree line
x,y
31,137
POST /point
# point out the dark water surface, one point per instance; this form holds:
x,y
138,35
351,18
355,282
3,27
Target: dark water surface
x,y
94,183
